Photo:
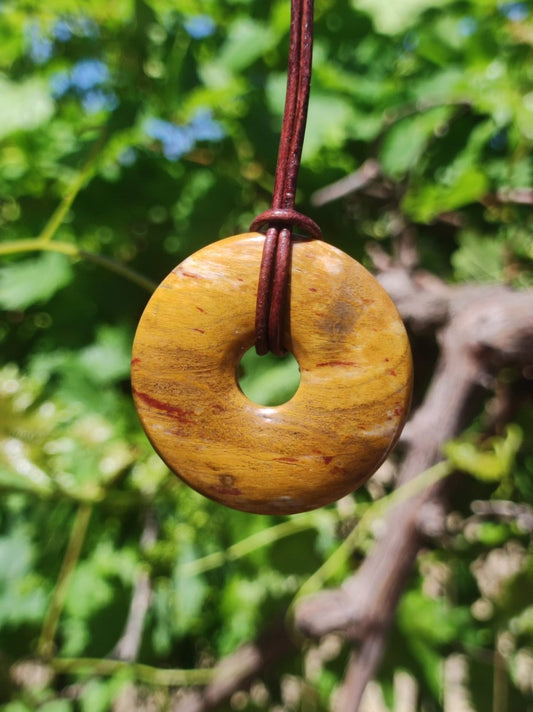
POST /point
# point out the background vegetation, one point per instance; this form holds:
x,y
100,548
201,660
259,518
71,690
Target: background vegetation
x,y
134,132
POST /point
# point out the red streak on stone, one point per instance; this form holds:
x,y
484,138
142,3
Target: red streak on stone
x,y
200,331
135,361
327,459
312,289
191,275
336,363
203,312
398,411
240,279
339,471
227,490
392,372
173,410
286,459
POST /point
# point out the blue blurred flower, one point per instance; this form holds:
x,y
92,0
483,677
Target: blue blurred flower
x,y
178,140
40,47
62,30
175,140
88,73
515,11
200,26
87,79
205,128
96,100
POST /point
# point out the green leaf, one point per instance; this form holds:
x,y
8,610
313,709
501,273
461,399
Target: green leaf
x,y
431,664
247,41
442,87
522,624
429,624
406,141
22,598
56,706
25,105
331,120
394,18
492,534
493,461
89,591
189,593
241,603
432,619
296,555
478,258
424,202
30,478
108,359
33,280
96,696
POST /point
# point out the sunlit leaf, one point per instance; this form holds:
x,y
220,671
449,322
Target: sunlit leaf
x,y
479,258
24,105
247,40
108,359
425,202
492,461
406,141
33,280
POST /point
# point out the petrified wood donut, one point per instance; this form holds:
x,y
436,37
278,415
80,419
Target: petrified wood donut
x,y
346,415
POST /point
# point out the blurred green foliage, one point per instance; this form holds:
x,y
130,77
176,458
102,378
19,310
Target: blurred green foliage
x,y
134,132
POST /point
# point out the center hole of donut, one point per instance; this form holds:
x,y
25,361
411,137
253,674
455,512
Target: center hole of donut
x,y
268,380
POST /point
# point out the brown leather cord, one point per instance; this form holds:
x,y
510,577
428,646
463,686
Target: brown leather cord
x,y
282,217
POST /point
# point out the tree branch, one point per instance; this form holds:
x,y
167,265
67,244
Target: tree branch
x,y
487,329
352,183
482,329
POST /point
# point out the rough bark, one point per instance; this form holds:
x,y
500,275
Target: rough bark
x,y
487,328
480,329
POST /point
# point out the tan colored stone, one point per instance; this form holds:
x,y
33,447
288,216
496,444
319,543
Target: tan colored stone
x,y
347,413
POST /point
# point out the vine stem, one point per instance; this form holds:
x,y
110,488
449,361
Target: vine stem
x,y
246,546
38,244
377,510
62,209
59,595
144,673
43,241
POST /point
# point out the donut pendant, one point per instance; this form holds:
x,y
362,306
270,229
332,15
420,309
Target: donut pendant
x,y
355,378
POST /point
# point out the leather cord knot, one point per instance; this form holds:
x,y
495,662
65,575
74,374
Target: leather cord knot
x,y
282,217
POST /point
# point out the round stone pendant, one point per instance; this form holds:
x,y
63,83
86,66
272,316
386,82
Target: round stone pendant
x,y
355,378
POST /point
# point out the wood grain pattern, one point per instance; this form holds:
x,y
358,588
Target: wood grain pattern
x,y
355,387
